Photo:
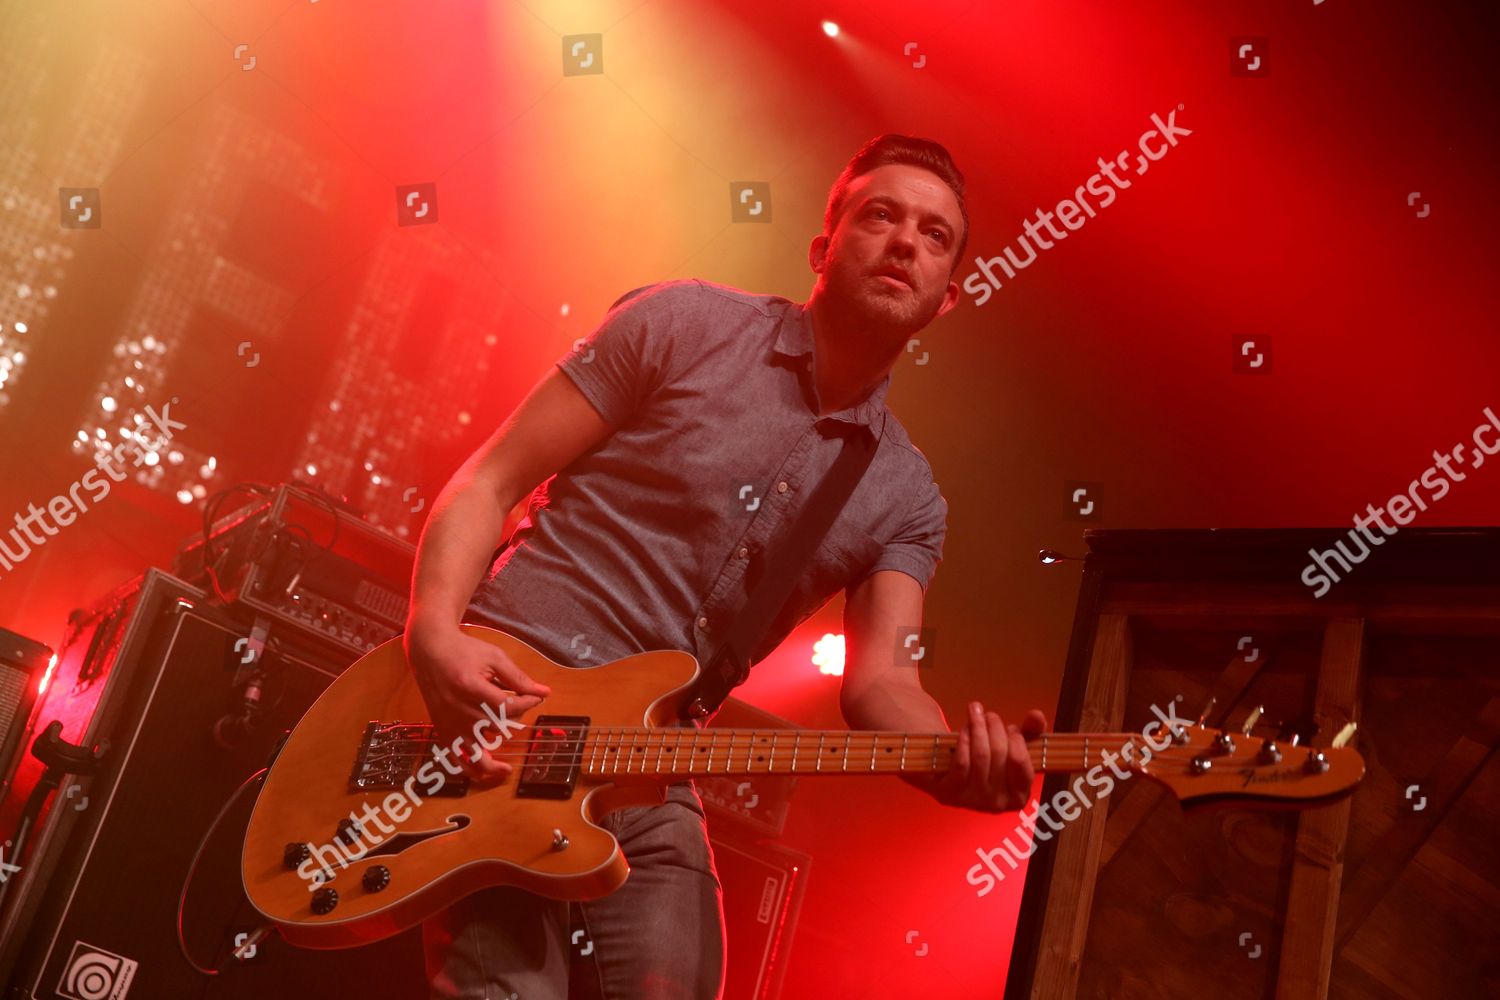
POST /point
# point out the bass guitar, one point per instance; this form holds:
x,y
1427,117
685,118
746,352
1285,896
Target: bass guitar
x,y
360,831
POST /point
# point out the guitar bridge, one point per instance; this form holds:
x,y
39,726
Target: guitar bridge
x,y
554,757
391,753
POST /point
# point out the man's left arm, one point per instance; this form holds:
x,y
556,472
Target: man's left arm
x,y
991,769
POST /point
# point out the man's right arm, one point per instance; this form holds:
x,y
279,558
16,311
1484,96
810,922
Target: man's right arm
x,y
551,427
587,393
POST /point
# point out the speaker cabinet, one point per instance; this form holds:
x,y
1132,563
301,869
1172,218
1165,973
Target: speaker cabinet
x,y
763,889
23,664
95,914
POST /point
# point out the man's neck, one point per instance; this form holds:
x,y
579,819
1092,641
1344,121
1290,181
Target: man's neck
x,y
850,358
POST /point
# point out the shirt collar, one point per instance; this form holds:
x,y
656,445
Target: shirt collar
x,y
795,340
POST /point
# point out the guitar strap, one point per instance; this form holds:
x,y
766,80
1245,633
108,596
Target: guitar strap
x,y
785,562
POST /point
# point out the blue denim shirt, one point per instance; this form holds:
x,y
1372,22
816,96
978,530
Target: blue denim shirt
x,y
652,539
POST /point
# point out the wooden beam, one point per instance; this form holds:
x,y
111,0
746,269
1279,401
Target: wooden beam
x,y
1025,949
1070,892
1410,609
1318,862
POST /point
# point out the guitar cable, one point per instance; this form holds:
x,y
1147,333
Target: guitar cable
x,y
209,515
255,689
260,931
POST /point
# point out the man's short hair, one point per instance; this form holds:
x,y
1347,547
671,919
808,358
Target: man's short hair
x,y
896,148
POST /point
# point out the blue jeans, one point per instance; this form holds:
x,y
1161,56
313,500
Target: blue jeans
x,y
660,936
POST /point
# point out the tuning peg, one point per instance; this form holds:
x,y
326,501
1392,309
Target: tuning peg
x,y
1209,707
1252,718
1345,734
1270,753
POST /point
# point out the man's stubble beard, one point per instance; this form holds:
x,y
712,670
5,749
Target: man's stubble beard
x,y
891,316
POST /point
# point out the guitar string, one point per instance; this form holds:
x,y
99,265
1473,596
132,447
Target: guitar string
x,y
639,738
606,740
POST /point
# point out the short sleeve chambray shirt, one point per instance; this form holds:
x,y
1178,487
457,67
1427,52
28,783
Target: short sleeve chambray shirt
x,y
653,538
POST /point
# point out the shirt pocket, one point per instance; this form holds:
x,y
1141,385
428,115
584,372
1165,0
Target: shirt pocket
x,y
849,547
843,553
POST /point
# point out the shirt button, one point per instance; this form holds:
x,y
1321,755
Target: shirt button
x,y
781,487
703,624
744,552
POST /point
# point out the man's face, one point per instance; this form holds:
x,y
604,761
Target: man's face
x,y
895,218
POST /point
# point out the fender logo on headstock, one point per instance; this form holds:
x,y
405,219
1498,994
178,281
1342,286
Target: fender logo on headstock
x,y
1258,776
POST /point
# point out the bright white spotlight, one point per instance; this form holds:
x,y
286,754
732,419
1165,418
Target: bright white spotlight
x,y
828,654
830,29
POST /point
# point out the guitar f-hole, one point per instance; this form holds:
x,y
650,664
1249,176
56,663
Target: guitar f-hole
x,y
398,842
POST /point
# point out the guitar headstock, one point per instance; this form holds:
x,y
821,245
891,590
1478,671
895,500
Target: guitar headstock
x,y
1203,765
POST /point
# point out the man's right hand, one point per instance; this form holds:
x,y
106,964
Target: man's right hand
x,y
457,674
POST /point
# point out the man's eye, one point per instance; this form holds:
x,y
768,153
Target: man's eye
x,y
942,238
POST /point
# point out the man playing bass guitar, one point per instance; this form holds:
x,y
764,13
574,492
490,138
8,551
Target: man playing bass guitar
x,y
672,447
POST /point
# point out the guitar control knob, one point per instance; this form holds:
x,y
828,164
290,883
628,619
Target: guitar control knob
x,y
1223,743
560,840
1200,765
294,854
376,878
1317,763
324,900
1270,753
348,832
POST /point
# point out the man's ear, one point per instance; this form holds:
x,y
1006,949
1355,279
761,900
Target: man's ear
x,y
817,253
950,299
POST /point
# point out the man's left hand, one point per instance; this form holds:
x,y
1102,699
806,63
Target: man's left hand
x,y
991,769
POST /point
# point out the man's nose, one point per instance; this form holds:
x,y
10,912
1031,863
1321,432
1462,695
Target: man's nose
x,y
903,242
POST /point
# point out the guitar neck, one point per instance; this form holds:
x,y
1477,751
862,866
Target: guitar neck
x,y
810,751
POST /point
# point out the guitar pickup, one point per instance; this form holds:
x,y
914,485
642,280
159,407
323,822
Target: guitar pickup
x,y
554,757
